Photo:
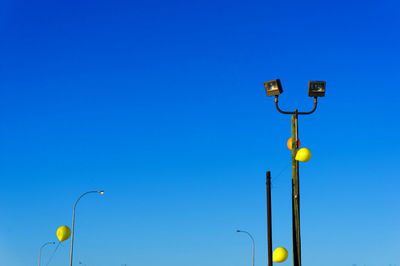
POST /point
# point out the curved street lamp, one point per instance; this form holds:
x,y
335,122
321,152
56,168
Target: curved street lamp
x,y
73,222
40,251
241,231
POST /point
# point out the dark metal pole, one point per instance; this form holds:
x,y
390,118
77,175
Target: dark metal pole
x,y
269,218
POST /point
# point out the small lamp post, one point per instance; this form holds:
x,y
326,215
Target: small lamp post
x,y
40,251
241,231
73,222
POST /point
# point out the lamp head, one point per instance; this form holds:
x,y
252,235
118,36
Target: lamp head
x,y
101,192
316,88
238,230
273,87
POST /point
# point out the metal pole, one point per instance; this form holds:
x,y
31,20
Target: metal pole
x,y
73,223
240,231
269,218
40,251
295,194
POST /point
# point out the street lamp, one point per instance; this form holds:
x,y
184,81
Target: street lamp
x,y
315,89
241,231
40,251
273,87
73,222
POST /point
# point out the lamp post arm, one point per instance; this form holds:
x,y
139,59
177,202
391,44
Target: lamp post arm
x,y
281,111
295,112
94,191
312,111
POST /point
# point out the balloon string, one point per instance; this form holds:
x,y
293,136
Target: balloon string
x,y
52,255
274,179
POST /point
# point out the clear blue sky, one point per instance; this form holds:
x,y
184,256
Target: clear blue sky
x,y
162,105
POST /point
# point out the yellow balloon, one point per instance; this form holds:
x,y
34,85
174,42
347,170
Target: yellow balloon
x,y
280,255
303,155
63,233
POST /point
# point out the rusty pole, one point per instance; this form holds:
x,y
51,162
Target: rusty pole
x,y
269,218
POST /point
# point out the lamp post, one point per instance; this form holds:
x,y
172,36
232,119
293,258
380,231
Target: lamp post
x,y
241,231
40,251
73,222
315,89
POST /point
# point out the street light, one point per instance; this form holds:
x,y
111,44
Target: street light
x,y
241,231
273,87
315,89
73,222
40,251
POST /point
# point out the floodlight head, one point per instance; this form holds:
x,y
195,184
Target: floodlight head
x,y
316,88
273,87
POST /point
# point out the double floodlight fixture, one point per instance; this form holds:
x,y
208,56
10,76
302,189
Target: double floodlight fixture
x,y
315,88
